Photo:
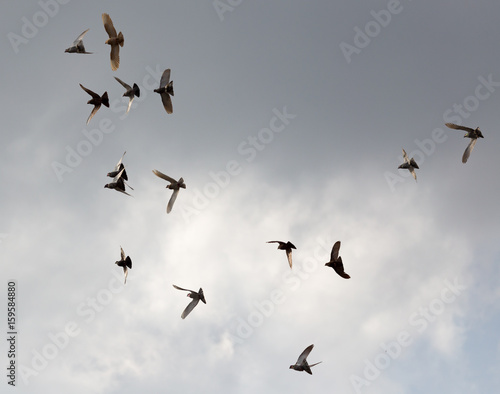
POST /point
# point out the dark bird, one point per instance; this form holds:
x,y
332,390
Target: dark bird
x,y
166,90
301,364
118,184
130,92
336,261
115,40
174,185
124,262
196,296
119,166
409,164
287,247
77,46
96,101
473,134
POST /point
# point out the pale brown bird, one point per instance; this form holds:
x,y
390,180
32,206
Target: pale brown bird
x,y
174,185
115,40
336,261
287,247
473,134
130,92
409,164
96,101
166,90
301,364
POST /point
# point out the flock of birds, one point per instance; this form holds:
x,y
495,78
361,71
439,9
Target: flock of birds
x,y
120,177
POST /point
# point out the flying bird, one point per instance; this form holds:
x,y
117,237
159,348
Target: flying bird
x,y
130,92
336,261
409,164
301,364
118,168
166,90
125,262
115,40
118,184
287,247
174,185
473,134
77,46
196,296
96,101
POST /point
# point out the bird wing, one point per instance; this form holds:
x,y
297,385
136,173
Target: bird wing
x,y
335,251
130,103
122,253
123,84
117,167
165,78
94,95
338,266
94,111
304,354
190,307
405,157
413,173
114,56
467,152
118,176
167,102
125,271
172,200
458,127
163,176
289,256
80,37
180,288
108,25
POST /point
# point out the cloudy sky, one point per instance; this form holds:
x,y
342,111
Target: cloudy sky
x,y
289,119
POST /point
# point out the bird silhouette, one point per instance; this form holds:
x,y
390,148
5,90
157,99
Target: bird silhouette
x,y
301,364
130,92
125,263
336,261
174,185
96,101
196,296
118,184
287,247
409,164
166,90
77,46
473,134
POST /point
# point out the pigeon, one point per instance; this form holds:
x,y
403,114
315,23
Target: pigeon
x,y
125,262
336,261
119,166
301,364
166,90
472,134
130,92
196,296
115,40
286,246
77,46
174,185
96,100
118,184
409,164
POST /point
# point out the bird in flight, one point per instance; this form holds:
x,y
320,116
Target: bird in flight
x,y
77,46
174,185
125,262
130,92
301,364
287,247
115,40
96,101
409,164
336,261
118,183
196,296
166,90
473,134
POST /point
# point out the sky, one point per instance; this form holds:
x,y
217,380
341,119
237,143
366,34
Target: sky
x,y
288,122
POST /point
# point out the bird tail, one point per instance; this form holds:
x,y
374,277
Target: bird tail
x,y
121,41
128,262
312,365
105,99
170,88
137,91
